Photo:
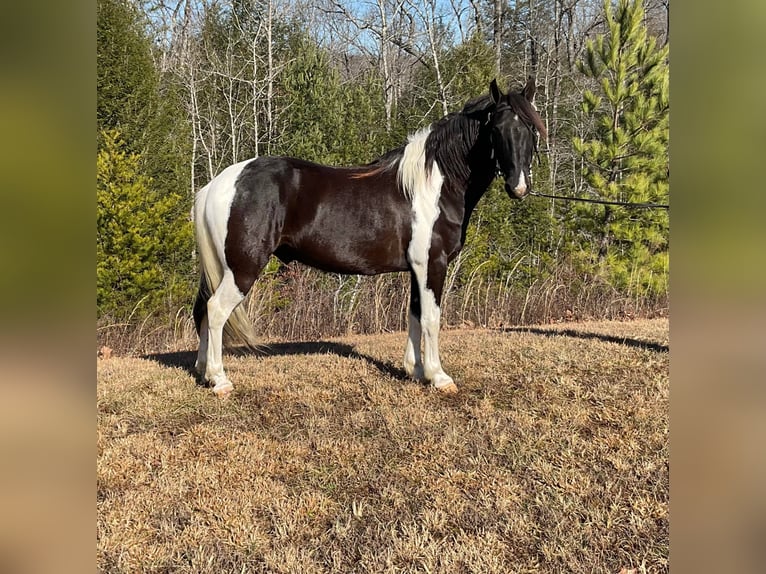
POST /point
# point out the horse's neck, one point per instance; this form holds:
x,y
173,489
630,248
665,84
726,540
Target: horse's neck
x,y
482,173
474,188
468,166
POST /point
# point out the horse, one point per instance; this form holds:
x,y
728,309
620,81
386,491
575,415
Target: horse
x,y
407,211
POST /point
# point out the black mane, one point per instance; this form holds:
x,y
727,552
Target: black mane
x,y
450,143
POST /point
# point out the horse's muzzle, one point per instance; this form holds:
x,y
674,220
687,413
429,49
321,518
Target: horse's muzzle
x,y
519,191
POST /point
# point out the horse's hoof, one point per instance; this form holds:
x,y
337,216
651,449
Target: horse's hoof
x,y
416,375
414,371
450,389
223,390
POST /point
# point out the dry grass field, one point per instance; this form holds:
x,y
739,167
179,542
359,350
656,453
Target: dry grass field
x,y
553,457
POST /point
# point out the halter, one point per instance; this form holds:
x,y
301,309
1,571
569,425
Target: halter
x,y
535,138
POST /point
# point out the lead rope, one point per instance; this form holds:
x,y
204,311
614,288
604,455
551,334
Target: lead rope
x,y
604,201
499,173
599,201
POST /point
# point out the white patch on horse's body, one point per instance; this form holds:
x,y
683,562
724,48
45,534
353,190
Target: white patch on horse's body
x,y
216,204
423,188
412,167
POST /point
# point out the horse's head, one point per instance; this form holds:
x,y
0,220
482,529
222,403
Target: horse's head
x,y
514,128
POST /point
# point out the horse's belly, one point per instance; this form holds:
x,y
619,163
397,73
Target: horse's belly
x,y
346,234
346,255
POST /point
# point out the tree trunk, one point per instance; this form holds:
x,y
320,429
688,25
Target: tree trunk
x,y
606,235
270,79
497,38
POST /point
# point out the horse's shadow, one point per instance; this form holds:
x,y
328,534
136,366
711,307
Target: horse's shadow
x,y
627,341
185,359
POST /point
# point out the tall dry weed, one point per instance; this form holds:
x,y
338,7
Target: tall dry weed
x,y
299,303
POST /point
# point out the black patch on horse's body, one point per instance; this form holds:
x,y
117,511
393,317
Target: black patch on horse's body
x,y
342,220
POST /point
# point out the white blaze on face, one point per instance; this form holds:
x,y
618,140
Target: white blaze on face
x,y
521,187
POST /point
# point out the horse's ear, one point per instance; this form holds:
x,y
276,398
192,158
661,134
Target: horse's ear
x,y
529,90
495,92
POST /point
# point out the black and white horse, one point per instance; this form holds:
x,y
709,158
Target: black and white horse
x,y
406,211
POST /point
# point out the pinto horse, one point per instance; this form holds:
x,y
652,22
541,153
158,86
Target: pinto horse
x,y
406,211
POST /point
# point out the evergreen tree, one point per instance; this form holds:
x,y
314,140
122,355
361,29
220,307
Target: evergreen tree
x,y
140,239
126,81
626,159
135,99
143,145
330,121
471,67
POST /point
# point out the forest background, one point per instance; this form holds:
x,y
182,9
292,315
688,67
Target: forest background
x,y
188,87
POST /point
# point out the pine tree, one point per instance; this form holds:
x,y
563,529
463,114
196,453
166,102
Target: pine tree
x,y
142,168
126,80
330,121
139,236
626,159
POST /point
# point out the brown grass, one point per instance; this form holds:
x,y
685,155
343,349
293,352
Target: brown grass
x,y
552,458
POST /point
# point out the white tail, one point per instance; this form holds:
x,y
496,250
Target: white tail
x,y
210,246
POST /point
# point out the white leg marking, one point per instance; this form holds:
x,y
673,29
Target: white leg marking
x,y
430,320
424,189
412,362
219,307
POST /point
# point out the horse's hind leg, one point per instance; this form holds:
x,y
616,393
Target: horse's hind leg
x,y
200,365
200,322
220,305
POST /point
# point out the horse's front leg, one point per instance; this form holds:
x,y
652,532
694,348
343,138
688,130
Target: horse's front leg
x,y
200,365
430,281
413,364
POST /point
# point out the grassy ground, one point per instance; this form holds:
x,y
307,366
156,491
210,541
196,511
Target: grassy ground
x,y
553,457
